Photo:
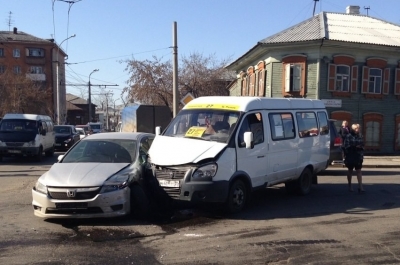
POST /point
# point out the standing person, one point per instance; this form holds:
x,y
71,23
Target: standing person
x,y
354,155
343,131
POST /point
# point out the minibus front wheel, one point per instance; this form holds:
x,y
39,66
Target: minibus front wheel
x,y
237,197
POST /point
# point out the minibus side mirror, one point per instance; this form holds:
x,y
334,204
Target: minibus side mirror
x,y
248,140
158,130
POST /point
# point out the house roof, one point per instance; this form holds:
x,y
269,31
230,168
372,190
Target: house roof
x,y
341,27
75,99
21,36
71,106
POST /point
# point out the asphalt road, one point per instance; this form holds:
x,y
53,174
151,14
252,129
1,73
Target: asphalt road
x,y
328,226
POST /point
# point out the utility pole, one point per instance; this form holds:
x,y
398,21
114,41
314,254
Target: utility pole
x,y
175,100
367,8
90,98
58,82
315,3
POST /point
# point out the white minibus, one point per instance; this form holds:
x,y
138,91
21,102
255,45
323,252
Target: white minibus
x,y
220,149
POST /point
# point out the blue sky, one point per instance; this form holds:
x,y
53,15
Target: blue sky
x,y
108,31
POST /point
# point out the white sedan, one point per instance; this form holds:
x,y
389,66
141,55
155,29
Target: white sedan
x,y
100,176
81,132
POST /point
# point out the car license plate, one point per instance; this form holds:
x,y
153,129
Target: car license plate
x,y
58,144
72,205
14,151
169,183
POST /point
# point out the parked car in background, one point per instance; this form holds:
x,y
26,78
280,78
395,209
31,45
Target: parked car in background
x,y
335,156
101,176
97,127
81,132
86,128
66,136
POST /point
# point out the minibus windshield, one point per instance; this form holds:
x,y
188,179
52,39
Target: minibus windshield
x,y
203,124
19,125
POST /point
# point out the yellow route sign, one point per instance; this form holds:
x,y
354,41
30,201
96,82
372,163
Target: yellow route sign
x,y
195,131
213,106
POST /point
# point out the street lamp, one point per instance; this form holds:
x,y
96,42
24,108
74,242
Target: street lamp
x,y
57,80
90,97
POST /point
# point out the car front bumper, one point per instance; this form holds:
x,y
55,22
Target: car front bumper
x,y
110,204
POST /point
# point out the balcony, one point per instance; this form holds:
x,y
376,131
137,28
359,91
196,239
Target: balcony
x,y
36,77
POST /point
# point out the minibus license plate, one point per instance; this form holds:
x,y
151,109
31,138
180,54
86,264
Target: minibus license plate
x,y
169,183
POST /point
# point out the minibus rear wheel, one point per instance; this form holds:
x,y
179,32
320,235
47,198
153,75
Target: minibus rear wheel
x,y
304,182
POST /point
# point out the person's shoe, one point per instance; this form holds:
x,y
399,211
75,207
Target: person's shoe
x,y
361,191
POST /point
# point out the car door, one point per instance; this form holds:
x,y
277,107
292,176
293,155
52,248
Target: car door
x,y
76,135
253,161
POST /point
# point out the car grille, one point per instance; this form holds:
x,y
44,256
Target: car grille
x,y
73,194
9,144
90,210
171,173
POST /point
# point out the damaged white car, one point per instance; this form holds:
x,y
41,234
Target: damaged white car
x,y
100,176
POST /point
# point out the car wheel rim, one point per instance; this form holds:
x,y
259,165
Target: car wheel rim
x,y
238,197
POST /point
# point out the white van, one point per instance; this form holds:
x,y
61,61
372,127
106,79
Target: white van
x,y
97,127
219,149
26,135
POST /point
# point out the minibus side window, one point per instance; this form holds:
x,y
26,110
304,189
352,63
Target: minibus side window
x,y
307,123
252,123
323,123
282,126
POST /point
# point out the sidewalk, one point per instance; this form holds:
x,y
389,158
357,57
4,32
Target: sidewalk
x,y
382,161
377,162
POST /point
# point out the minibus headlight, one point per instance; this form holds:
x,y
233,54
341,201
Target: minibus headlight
x,y
205,172
29,144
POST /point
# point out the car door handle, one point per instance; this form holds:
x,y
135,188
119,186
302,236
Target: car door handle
x,y
260,156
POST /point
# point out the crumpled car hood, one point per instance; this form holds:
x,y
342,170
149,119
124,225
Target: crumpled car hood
x,y
168,151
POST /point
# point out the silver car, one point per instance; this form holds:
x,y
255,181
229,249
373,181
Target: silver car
x,y
100,176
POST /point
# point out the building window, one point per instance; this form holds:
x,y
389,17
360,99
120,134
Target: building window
x,y
342,78
35,52
2,69
375,81
1,52
36,70
17,69
292,77
373,130
261,83
16,53
397,133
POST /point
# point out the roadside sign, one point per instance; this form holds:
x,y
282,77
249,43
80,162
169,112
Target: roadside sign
x,y
187,98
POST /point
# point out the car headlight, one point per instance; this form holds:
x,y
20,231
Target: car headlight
x,y
68,140
116,182
205,172
40,187
29,144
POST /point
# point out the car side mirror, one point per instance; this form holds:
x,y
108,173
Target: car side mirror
x,y
158,130
60,157
248,140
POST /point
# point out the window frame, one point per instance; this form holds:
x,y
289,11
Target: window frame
x,y
17,69
32,51
374,82
274,126
306,133
16,53
341,81
2,52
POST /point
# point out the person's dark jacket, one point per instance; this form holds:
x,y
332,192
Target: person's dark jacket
x,y
353,147
343,131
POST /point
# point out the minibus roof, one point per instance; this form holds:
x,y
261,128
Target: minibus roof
x,y
253,103
34,117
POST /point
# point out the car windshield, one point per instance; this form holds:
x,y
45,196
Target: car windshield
x,y
19,125
95,126
62,129
102,151
203,124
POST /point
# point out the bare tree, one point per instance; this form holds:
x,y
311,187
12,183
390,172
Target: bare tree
x,y
20,94
151,80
